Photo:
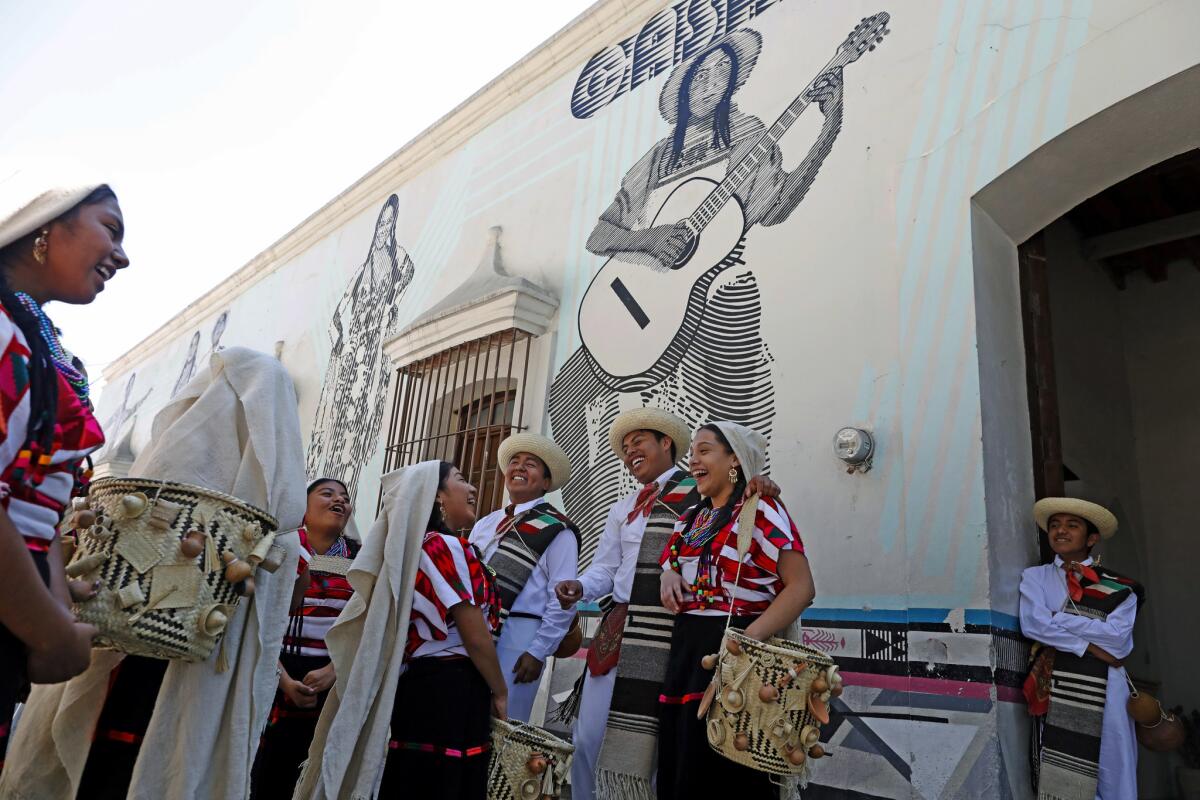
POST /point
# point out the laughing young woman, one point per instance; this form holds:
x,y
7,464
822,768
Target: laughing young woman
x,y
702,582
306,673
56,244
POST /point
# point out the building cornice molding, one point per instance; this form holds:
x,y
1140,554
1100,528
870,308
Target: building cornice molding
x,y
605,22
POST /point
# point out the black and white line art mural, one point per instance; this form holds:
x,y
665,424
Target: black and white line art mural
x,y
189,365
118,428
672,319
354,392
217,332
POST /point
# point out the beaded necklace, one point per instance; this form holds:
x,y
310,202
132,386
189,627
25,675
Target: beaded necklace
x,y
63,360
703,528
706,587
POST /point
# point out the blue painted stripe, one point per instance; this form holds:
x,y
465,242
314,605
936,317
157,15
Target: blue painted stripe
x,y
934,616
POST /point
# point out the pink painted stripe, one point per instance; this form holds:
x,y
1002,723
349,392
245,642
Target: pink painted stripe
x,y
938,686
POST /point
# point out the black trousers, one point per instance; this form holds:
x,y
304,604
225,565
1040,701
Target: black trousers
x,y
441,704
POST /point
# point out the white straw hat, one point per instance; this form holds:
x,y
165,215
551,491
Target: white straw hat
x,y
1098,515
649,419
544,448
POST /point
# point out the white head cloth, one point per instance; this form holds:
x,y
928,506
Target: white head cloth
x,y
345,760
234,429
748,445
29,201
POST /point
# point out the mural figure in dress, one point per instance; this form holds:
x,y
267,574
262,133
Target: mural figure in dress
x,y
720,367
218,331
189,365
355,389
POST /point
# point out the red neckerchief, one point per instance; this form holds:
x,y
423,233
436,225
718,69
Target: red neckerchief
x,y
644,503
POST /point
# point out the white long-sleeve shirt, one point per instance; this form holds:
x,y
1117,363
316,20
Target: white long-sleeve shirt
x,y
613,567
559,562
1043,598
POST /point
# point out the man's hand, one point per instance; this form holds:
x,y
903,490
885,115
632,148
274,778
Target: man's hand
x,y
1104,655
568,593
320,680
527,669
763,485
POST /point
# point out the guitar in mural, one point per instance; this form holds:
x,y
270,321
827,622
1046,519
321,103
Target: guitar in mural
x,y
640,313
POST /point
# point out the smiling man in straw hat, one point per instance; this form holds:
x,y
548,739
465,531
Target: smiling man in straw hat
x,y
1081,617
532,546
619,689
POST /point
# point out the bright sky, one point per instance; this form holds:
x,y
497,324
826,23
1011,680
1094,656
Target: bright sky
x,y
223,124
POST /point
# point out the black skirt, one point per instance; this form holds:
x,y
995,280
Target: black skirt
x,y
132,694
688,767
14,680
284,744
441,733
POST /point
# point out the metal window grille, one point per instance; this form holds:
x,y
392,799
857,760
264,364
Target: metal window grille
x,y
458,405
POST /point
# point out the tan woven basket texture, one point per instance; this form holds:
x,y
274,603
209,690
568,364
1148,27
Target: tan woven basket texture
x,y
153,599
516,747
768,731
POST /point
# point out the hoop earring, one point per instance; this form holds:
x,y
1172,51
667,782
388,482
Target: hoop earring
x,y
41,246
733,475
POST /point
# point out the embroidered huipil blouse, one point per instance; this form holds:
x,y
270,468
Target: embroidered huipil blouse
x,y
36,509
714,565
324,600
450,573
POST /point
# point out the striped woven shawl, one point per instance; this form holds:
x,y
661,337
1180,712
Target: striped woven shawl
x,y
626,764
522,547
1067,761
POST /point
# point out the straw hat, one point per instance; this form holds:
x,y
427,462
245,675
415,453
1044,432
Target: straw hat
x,y
29,201
1098,515
747,44
544,448
649,419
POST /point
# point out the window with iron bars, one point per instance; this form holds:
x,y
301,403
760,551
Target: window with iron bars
x,y
458,405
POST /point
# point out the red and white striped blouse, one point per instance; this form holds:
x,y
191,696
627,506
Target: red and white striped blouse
x,y
326,596
450,573
36,509
759,582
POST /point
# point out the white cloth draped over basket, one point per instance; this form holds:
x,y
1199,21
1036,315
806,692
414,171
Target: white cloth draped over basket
x,y
234,429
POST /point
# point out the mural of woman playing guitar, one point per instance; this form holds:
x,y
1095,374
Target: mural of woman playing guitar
x,y
653,326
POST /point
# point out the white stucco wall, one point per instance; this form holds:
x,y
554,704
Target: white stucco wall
x,y
866,302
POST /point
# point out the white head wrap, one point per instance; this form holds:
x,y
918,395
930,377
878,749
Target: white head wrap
x,y
748,445
29,201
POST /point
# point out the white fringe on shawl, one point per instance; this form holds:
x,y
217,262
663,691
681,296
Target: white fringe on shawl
x,y
235,429
366,644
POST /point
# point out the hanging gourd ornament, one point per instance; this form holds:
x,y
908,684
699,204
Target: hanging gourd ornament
x,y
709,662
741,742
732,646
192,545
1143,708
537,763
84,519
768,693
245,588
816,751
796,756
236,570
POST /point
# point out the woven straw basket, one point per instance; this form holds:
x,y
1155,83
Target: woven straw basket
x,y
154,599
769,729
527,763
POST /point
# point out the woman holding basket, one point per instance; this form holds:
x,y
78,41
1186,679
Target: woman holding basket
x,y
418,676
708,588
56,243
